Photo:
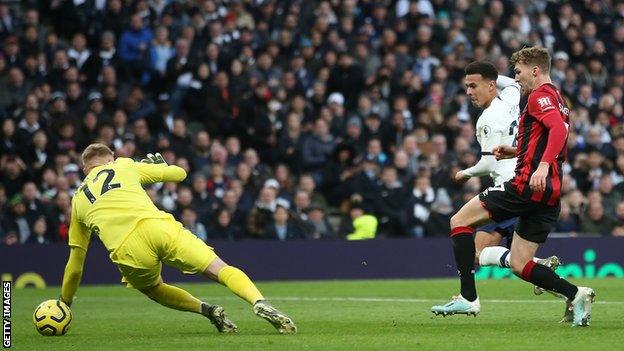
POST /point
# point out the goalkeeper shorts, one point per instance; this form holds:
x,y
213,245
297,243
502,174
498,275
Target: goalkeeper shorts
x,y
157,241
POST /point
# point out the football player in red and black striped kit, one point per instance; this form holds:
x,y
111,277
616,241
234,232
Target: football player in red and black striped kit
x,y
532,195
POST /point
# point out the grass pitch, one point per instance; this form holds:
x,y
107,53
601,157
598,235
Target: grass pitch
x,y
331,315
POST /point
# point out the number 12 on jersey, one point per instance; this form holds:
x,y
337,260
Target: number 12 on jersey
x,y
106,186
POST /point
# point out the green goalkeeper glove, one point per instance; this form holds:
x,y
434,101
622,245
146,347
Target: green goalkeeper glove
x,y
154,159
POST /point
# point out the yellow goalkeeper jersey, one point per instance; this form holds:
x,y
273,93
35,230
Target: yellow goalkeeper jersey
x,y
111,201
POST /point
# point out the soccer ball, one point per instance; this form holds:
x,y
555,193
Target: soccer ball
x,y
52,317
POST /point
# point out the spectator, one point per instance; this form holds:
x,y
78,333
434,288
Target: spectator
x,y
618,229
594,220
161,51
418,207
390,202
283,227
9,138
567,222
317,148
39,232
610,196
346,78
224,228
78,52
203,202
16,220
365,225
189,220
308,184
58,215
262,213
107,55
134,46
320,226
13,175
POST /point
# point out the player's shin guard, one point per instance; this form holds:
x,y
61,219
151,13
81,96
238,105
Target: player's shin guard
x,y
240,284
544,277
174,297
464,251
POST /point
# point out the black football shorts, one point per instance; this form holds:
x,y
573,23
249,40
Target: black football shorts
x,y
535,220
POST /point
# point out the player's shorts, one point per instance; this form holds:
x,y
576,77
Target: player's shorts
x,y
505,228
156,241
535,220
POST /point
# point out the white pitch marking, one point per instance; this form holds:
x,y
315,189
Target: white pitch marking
x,y
384,299
349,299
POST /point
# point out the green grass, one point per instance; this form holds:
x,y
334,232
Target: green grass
x,y
382,314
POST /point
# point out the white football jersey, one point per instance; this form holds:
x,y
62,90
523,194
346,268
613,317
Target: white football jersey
x,y
498,125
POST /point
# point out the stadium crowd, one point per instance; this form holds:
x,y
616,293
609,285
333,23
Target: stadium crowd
x,y
294,119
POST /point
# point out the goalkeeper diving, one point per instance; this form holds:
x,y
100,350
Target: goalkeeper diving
x,y
139,237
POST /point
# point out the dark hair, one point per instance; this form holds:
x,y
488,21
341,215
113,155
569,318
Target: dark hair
x,y
484,68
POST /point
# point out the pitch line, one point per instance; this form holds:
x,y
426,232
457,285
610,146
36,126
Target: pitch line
x,y
408,300
551,300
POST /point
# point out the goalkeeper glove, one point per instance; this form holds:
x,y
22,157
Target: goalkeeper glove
x,y
154,159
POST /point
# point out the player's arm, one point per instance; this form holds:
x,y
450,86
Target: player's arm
x,y
154,169
503,82
490,137
502,152
487,162
508,90
79,237
73,274
548,114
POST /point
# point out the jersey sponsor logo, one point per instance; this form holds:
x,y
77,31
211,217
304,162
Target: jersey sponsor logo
x,y
545,104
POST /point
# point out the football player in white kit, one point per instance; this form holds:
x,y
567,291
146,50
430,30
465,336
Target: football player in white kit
x,y
499,96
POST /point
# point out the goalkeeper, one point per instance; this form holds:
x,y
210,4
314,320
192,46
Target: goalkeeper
x,y
112,204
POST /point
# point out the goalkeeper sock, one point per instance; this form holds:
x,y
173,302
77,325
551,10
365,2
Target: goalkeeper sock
x,y
544,277
464,251
176,298
240,284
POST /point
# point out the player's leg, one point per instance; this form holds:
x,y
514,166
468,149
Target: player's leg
x,y
144,248
488,243
486,240
181,300
240,284
234,279
172,297
463,223
492,254
191,255
535,229
470,216
501,256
